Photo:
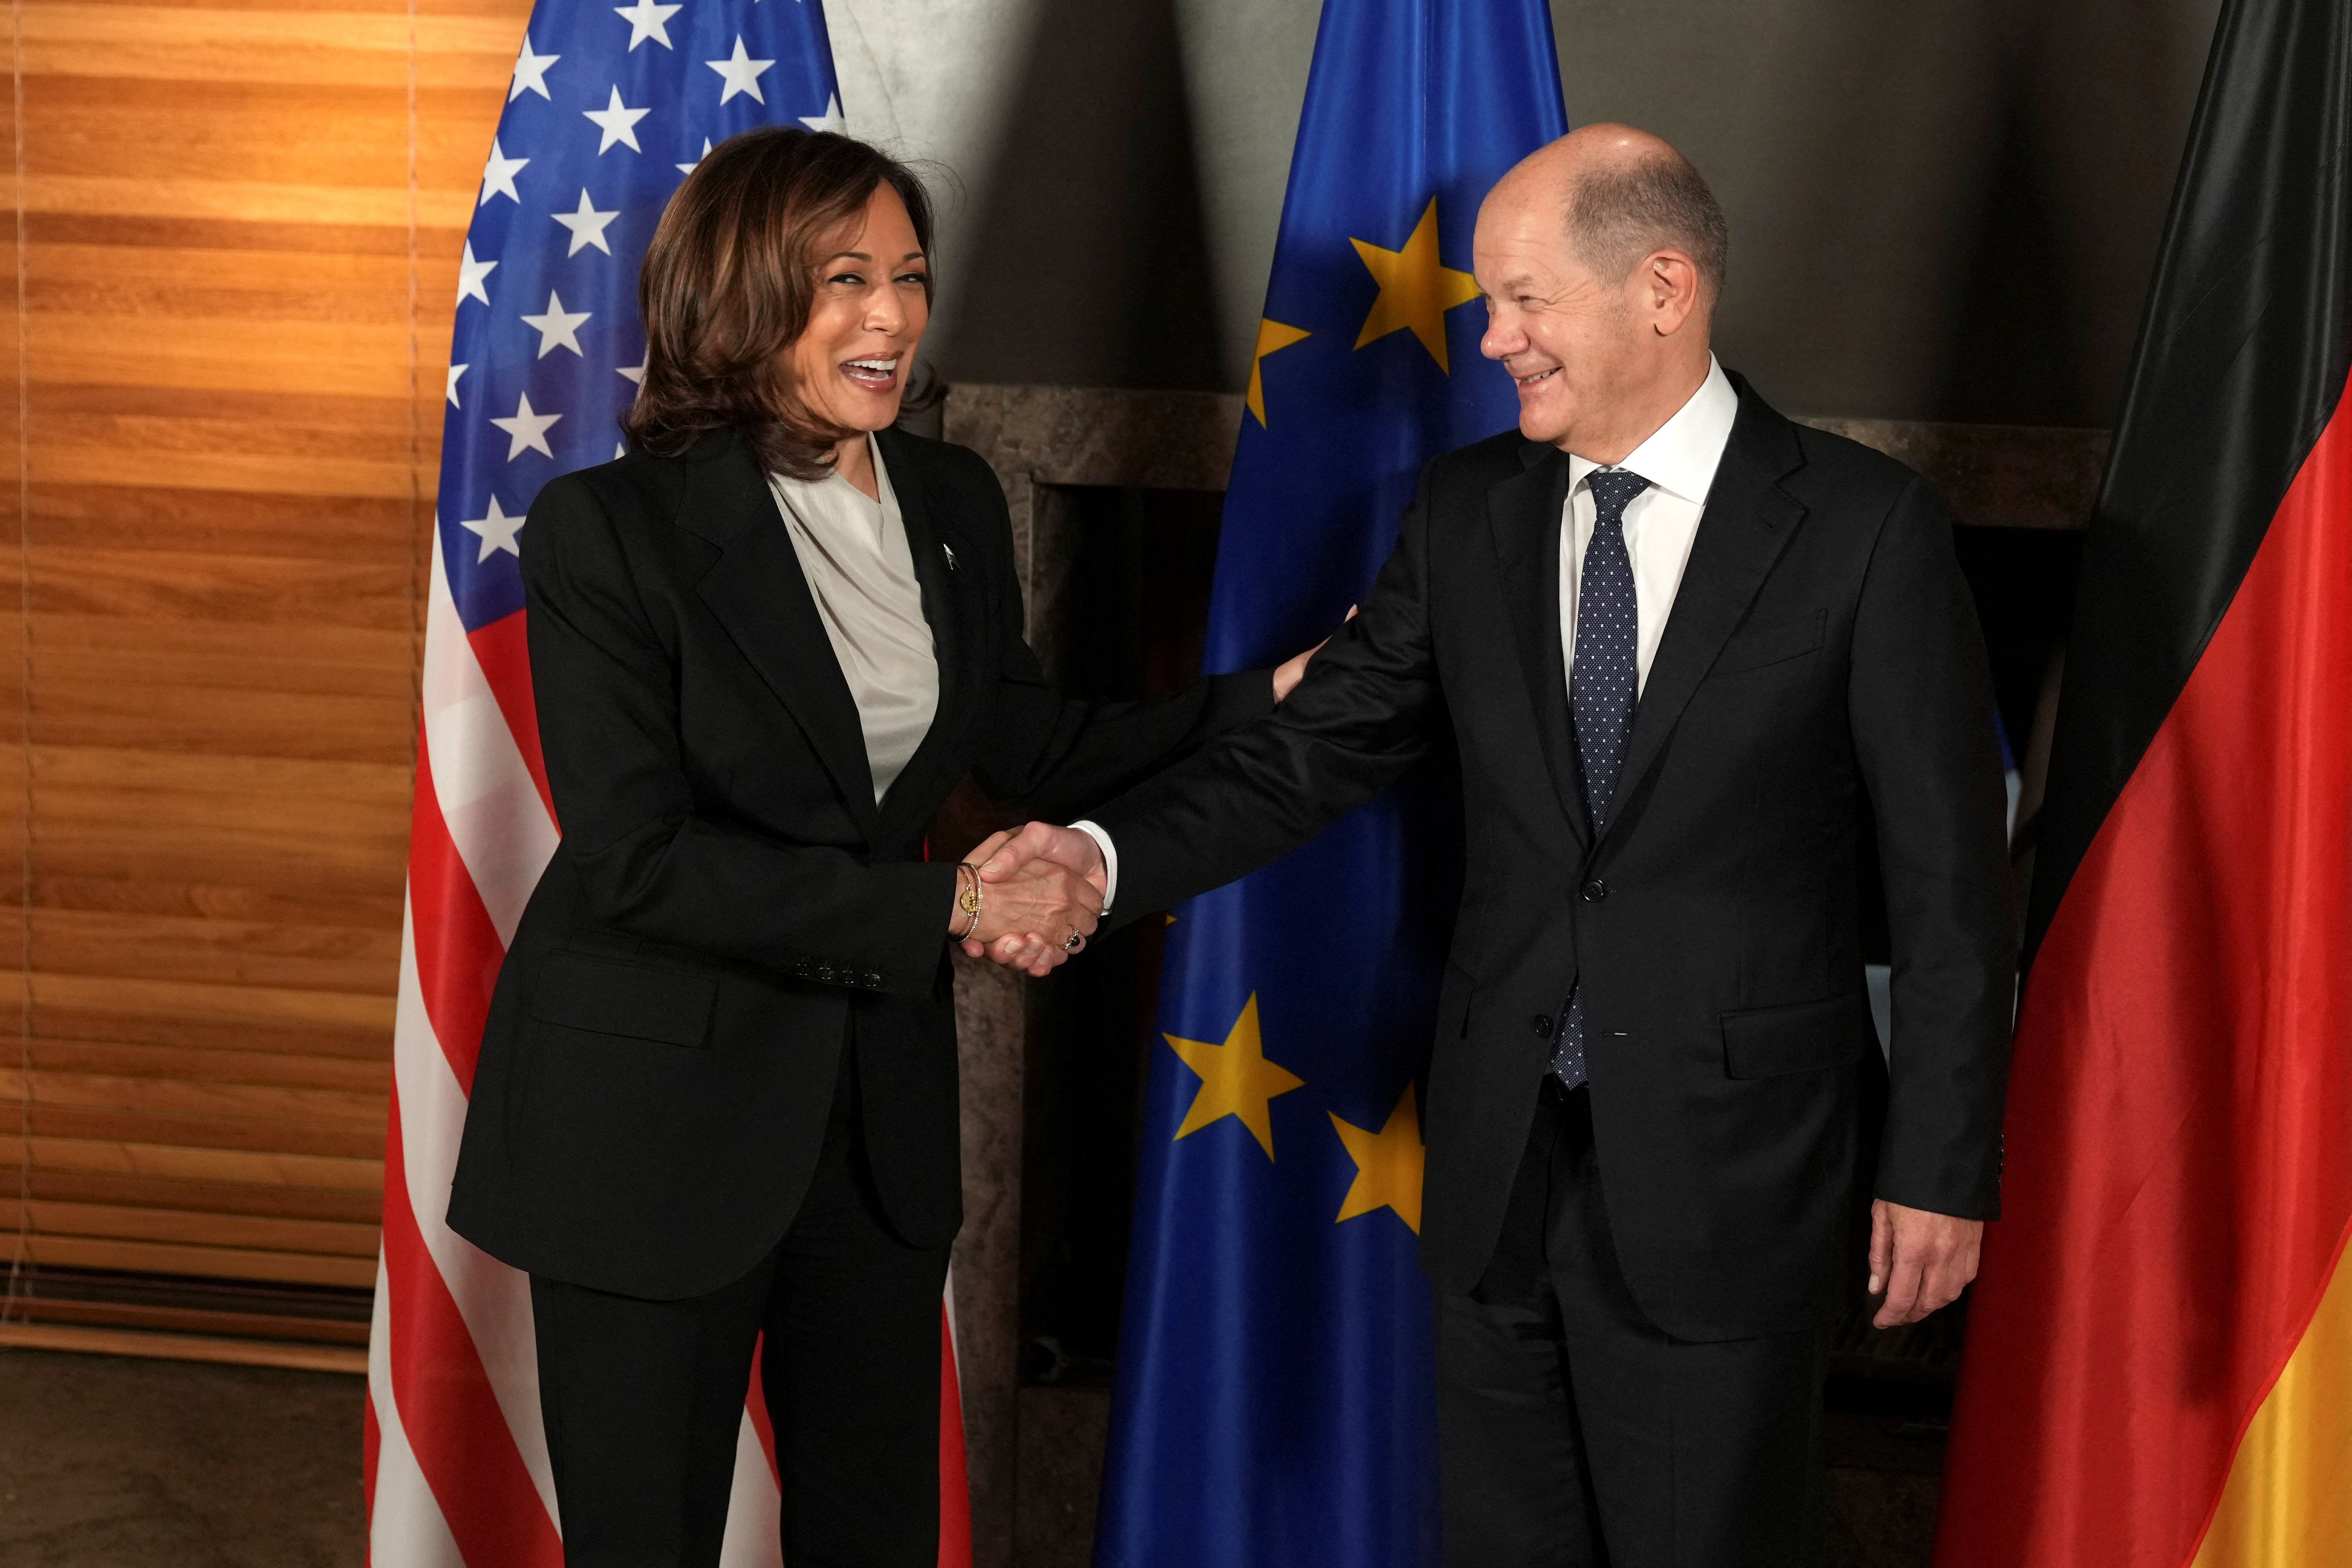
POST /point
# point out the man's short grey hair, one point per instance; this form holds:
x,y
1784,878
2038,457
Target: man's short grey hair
x,y
1653,202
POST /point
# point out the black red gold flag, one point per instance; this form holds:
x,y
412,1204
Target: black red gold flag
x,y
2159,1372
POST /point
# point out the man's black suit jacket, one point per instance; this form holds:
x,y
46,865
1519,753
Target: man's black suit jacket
x,y
729,904
1821,680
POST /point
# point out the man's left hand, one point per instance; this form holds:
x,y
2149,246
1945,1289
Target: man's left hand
x,y
1292,671
1921,1260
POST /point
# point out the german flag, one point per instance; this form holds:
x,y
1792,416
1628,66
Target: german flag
x,y
2159,1372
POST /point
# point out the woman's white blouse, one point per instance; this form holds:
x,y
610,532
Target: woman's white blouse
x,y
861,572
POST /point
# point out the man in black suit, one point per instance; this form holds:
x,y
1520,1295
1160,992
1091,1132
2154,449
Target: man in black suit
x,y
1704,667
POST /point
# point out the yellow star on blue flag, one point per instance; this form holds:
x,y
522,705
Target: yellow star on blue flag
x,y
1416,289
1235,1080
1388,1164
1271,335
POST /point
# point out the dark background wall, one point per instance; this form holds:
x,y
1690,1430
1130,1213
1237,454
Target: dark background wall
x,y
1940,209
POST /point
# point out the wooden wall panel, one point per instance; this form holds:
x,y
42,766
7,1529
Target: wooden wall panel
x,y
241,223
15,875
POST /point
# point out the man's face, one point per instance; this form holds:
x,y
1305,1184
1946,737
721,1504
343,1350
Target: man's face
x,y
1570,341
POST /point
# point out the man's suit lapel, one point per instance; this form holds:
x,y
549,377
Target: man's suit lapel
x,y
758,592
949,566
1524,514
1748,521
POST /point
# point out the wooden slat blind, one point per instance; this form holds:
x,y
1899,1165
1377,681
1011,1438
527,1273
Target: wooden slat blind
x,y
239,227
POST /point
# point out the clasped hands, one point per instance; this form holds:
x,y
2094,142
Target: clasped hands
x,y
1041,895
1043,887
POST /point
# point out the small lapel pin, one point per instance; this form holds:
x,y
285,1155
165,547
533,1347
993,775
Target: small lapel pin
x,y
948,552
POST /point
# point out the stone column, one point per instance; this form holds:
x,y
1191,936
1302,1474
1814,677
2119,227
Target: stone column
x,y
1033,436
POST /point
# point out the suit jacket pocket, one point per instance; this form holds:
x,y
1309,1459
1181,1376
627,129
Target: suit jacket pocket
x,y
1772,645
633,999
1804,1037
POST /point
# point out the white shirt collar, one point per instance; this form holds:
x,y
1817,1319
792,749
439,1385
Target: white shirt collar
x,y
1682,455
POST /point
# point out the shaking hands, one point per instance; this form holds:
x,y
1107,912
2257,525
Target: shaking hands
x,y
1039,894
1030,900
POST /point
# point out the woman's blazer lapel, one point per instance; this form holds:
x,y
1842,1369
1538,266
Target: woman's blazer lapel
x,y
758,594
950,565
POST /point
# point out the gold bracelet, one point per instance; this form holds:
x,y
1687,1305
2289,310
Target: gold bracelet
x,y
968,897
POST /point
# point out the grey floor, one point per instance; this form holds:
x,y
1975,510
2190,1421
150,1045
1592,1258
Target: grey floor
x,y
110,1462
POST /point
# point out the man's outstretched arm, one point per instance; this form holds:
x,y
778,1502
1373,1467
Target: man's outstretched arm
x,y
1358,720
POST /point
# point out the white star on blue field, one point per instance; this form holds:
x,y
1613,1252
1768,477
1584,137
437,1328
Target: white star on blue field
x,y
610,107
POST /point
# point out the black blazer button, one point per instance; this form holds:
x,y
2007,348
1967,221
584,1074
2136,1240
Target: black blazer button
x,y
873,980
1595,890
825,972
803,970
1542,1026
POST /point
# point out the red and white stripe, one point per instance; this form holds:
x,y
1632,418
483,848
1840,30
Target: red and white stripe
x,y
456,1466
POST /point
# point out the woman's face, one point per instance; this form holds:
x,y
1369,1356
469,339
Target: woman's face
x,y
850,364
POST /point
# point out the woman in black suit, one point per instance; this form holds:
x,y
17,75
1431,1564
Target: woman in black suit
x,y
716,1094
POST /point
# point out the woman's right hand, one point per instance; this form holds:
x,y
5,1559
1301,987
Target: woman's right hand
x,y
1027,920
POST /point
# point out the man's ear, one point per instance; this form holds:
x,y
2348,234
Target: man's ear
x,y
1670,283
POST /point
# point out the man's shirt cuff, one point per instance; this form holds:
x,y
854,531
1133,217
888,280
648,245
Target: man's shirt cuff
x,y
1111,861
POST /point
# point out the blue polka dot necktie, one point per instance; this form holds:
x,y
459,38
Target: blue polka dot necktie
x,y
1601,689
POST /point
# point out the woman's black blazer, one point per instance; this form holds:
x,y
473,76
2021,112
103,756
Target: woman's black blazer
x,y
728,908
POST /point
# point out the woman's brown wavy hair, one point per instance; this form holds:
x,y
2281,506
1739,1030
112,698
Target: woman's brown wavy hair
x,y
727,284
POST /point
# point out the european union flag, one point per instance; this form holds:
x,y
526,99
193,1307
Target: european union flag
x,y
1276,1396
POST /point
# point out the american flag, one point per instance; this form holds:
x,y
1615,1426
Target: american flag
x,y
609,107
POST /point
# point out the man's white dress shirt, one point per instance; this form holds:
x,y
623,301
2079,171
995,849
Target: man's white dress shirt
x,y
1679,459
